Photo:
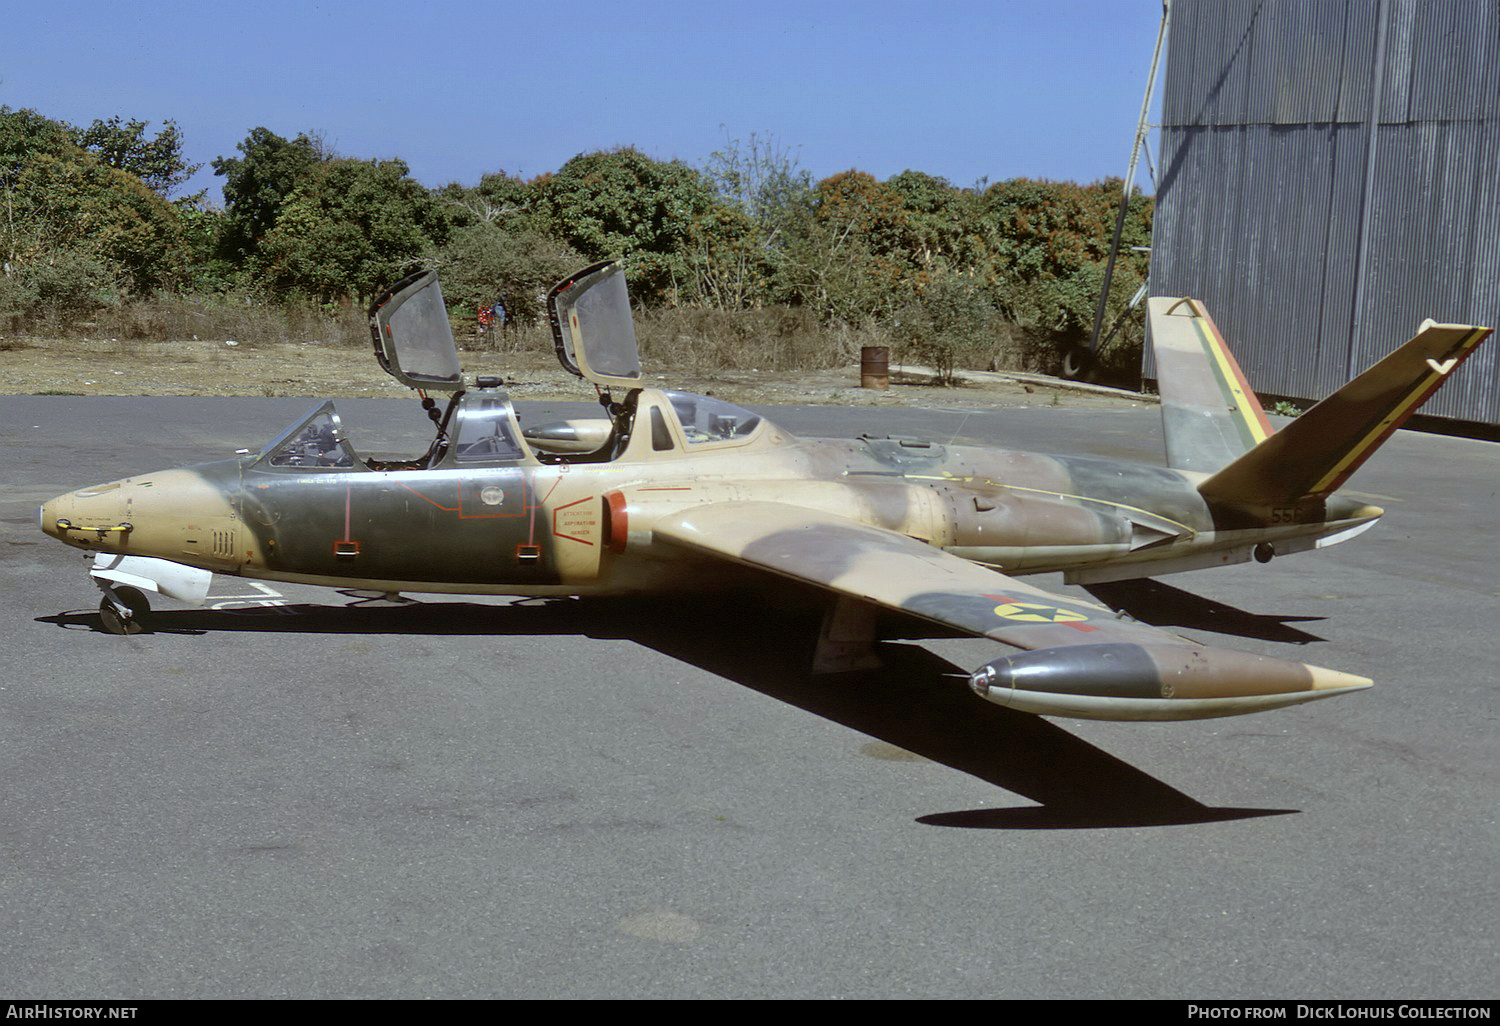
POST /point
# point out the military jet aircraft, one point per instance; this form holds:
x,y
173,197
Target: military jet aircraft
x,y
670,492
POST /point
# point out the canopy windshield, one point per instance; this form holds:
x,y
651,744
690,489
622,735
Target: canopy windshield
x,y
592,327
705,419
316,442
413,340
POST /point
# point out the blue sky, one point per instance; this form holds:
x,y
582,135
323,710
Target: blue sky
x,y
963,90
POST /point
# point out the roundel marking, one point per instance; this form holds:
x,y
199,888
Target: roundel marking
x,y
1034,612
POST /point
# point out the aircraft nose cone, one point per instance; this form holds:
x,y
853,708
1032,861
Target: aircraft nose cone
x,y
187,515
56,515
88,513
986,679
46,516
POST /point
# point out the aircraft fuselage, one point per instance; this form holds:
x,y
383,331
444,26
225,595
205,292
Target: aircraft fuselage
x,y
538,529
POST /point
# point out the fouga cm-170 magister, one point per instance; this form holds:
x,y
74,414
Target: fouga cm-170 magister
x,y
667,490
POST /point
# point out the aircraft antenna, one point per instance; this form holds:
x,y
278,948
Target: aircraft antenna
x,y
967,415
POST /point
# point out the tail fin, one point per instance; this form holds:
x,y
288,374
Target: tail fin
x,y
1210,417
1315,454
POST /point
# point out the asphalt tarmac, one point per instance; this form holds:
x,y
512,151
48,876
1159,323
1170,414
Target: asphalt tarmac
x,y
284,794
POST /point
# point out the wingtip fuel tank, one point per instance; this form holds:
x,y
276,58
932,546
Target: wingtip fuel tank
x,y
1126,681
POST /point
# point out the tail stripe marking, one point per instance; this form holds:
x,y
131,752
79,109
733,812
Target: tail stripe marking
x,y
1421,389
1249,418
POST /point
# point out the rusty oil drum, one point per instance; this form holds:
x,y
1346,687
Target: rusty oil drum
x,y
875,367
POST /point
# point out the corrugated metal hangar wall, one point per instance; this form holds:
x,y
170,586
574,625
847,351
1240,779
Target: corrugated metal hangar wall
x,y
1317,244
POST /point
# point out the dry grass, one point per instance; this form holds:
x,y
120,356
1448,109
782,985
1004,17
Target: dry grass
x,y
772,338
240,319
698,341
689,339
231,346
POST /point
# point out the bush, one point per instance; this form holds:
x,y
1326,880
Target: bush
x,y
700,340
67,286
951,322
484,263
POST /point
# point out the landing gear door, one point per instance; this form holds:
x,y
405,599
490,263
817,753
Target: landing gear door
x,y
413,340
592,328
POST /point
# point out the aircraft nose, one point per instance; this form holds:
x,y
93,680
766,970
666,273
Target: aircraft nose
x,y
187,516
89,513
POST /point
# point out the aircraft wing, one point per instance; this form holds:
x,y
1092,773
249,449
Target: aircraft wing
x,y
1077,658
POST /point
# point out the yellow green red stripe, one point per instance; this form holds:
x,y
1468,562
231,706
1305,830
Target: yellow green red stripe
x,y
1420,390
1249,418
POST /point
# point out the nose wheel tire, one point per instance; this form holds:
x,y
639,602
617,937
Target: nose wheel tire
x,y
136,606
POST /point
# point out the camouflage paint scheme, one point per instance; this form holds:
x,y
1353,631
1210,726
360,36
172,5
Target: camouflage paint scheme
x,y
685,487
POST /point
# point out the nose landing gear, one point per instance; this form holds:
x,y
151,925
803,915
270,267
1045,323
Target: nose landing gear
x,y
123,609
121,577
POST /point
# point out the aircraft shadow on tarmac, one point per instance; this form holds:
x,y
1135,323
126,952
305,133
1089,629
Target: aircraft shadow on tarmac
x,y
1161,605
915,700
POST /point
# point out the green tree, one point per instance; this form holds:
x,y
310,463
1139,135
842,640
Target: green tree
x,y
207,271
1052,240
349,228
730,262
766,203
157,161
763,180
943,226
854,202
75,231
844,259
257,184
499,198
484,262
624,204
25,134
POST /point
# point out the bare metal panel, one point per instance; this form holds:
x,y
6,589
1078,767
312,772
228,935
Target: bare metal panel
x,y
1316,247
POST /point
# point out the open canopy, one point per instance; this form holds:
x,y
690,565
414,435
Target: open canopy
x,y
592,328
413,339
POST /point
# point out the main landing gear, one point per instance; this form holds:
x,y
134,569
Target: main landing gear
x,y
123,609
